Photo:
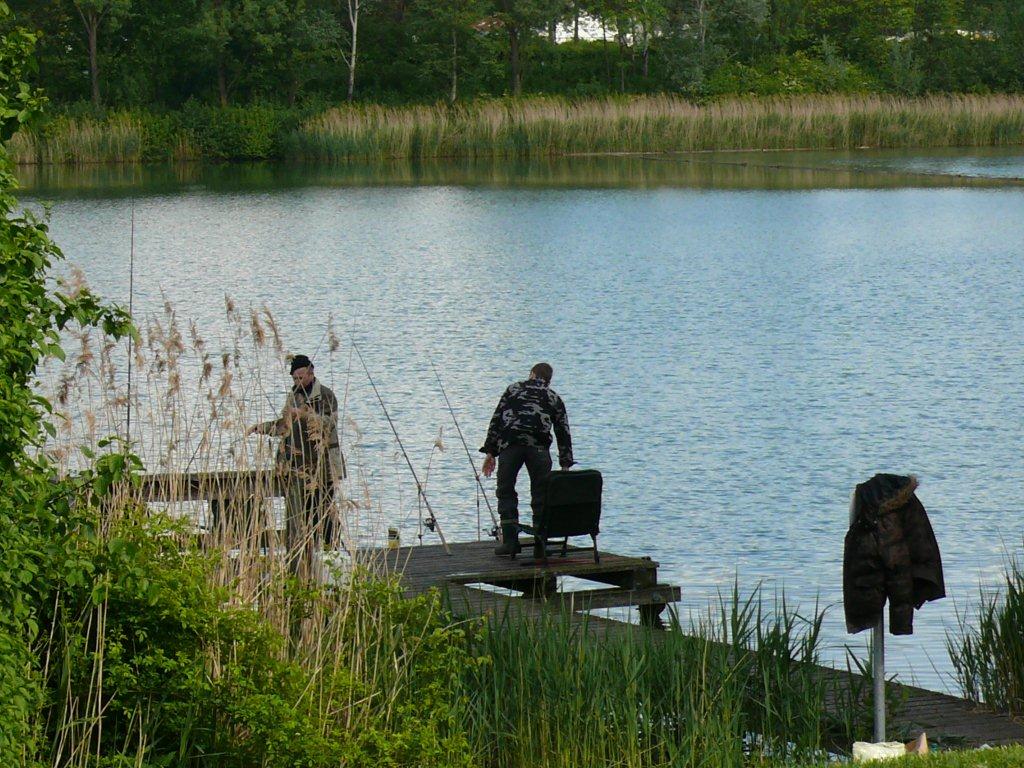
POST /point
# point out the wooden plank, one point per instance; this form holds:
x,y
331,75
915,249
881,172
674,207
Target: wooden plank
x,y
592,599
469,562
198,486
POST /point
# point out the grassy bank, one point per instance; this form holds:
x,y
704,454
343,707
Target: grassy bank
x,y
527,127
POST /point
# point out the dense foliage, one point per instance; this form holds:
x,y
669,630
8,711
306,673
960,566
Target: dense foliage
x,y
164,53
34,510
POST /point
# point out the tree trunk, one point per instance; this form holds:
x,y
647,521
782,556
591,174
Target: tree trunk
x,y
702,30
553,31
93,25
455,67
604,50
513,61
353,17
91,19
622,60
576,22
222,82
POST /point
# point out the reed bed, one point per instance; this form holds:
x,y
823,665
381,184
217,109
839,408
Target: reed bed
x,y
528,127
987,649
119,138
554,126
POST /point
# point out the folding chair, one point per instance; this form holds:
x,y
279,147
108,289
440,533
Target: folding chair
x,y
572,507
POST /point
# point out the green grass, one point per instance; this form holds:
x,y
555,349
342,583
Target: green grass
x,y
1005,757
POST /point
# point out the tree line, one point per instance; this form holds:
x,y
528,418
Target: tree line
x,y
163,53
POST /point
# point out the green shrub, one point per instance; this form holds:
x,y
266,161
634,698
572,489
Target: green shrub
x,y
188,678
237,133
796,74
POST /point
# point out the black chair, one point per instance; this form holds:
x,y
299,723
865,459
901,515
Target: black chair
x,y
572,507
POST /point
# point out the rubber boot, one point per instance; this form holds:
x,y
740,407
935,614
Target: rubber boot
x,y
509,539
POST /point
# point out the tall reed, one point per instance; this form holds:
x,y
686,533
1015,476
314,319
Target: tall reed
x,y
987,649
740,684
554,126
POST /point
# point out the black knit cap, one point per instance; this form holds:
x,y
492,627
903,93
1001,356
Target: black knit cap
x,y
300,361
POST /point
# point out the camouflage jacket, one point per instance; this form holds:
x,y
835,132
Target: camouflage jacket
x,y
309,442
526,414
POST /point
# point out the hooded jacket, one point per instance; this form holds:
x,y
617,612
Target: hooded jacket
x,y
890,553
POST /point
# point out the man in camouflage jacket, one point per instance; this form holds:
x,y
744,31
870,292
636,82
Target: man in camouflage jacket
x,y
309,457
520,433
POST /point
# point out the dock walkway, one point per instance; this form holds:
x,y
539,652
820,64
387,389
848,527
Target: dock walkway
x,y
478,583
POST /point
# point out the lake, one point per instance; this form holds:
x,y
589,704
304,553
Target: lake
x,y
740,339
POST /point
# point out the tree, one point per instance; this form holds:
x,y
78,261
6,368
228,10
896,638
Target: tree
x,y
519,18
860,27
241,37
310,46
450,21
93,13
350,50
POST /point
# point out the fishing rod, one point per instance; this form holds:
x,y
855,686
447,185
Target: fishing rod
x,y
131,316
495,530
431,522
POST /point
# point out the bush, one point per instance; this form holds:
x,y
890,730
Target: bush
x,y
188,678
790,75
237,133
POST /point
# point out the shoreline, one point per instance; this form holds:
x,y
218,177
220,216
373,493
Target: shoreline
x,y
527,128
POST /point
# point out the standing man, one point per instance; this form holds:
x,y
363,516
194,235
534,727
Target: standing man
x,y
309,457
520,433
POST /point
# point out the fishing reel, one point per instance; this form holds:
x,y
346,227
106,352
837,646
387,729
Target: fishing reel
x,y
430,523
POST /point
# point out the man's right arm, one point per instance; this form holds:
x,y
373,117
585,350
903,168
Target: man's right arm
x,y
560,422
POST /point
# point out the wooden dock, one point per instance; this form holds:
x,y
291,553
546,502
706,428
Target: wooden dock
x,y
478,583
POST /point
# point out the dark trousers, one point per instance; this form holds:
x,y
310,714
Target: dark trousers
x,y
510,461
309,517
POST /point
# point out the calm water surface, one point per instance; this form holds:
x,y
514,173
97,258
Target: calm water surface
x,y
737,346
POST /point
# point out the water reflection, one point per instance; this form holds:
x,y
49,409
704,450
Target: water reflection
x,y
729,170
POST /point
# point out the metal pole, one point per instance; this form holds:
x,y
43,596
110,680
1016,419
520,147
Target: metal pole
x,y
878,668
877,661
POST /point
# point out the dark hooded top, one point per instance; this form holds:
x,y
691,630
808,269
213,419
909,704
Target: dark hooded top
x,y
890,553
